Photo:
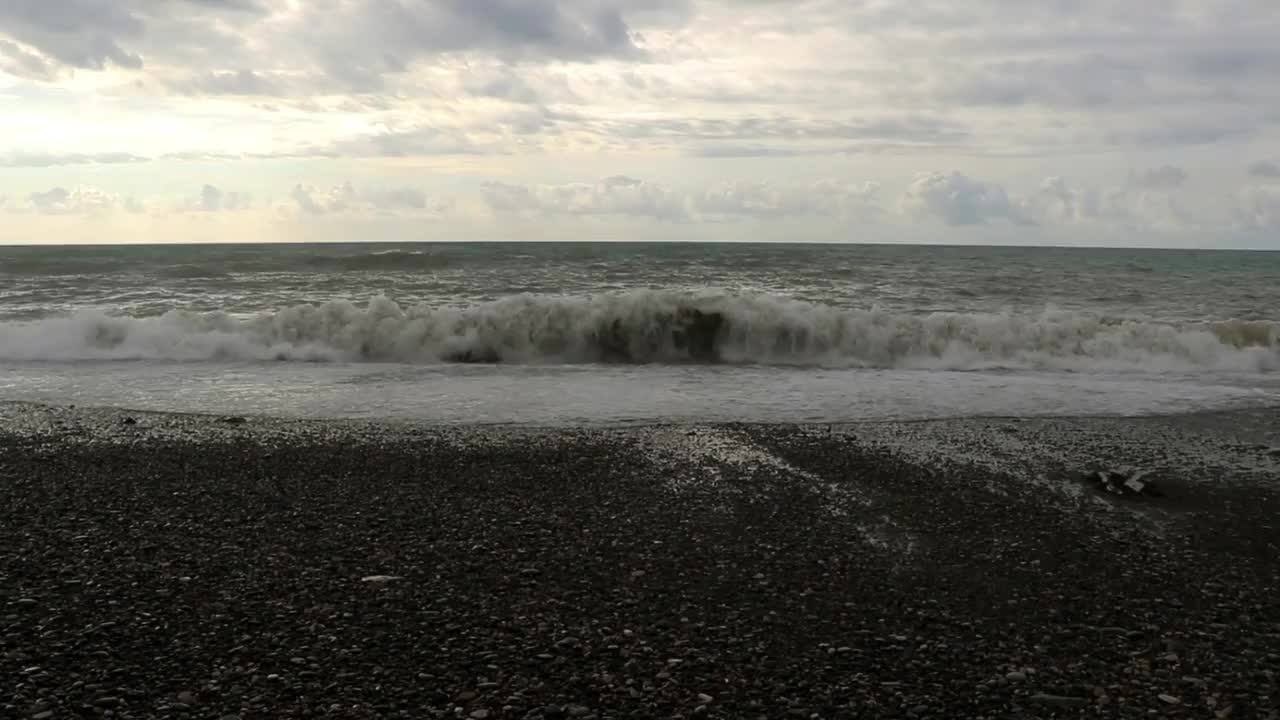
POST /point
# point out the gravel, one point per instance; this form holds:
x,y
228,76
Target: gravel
x,y
187,567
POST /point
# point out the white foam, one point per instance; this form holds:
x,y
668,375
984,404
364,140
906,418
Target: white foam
x,y
645,326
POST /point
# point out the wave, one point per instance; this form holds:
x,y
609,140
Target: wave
x,y
657,326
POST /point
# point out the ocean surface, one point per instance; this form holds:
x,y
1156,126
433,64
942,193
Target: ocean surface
x,y
541,333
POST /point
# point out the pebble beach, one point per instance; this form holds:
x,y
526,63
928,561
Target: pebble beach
x,y
187,566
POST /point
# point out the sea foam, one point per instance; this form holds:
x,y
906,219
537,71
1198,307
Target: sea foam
x,y
654,326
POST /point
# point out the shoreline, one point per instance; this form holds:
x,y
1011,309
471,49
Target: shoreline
x,y
186,566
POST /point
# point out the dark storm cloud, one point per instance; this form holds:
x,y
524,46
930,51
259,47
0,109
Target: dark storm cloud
x,y
95,34
361,41
79,33
356,40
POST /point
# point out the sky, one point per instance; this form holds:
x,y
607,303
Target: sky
x,y
1089,122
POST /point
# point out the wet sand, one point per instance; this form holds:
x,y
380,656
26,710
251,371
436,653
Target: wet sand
x,y
191,567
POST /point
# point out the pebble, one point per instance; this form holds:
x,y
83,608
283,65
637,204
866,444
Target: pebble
x,y
315,607
1058,700
1169,699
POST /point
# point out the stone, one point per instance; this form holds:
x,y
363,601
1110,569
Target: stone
x,y
379,579
1169,699
1061,701
1015,676
480,714
1130,484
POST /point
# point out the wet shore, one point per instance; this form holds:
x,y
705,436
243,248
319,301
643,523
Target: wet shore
x,y
205,567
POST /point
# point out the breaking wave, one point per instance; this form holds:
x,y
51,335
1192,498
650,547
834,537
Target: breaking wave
x,y
654,327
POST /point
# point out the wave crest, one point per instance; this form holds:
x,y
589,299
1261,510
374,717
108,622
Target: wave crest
x,y
654,327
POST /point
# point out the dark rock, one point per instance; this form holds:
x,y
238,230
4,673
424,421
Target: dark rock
x,y
129,421
234,420
1125,484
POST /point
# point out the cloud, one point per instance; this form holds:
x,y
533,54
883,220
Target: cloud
x,y
345,198
231,82
618,195
1265,169
958,199
78,33
913,128
767,201
1165,177
80,201
213,199
1149,204
1258,208
359,42
22,62
628,196
96,35
28,158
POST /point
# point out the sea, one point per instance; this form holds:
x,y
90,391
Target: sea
x,y
620,333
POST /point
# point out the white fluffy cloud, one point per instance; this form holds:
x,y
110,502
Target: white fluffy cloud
x,y
958,199
213,199
1149,201
626,196
78,201
618,195
345,198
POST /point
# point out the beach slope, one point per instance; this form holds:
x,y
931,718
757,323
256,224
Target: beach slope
x,y
187,566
